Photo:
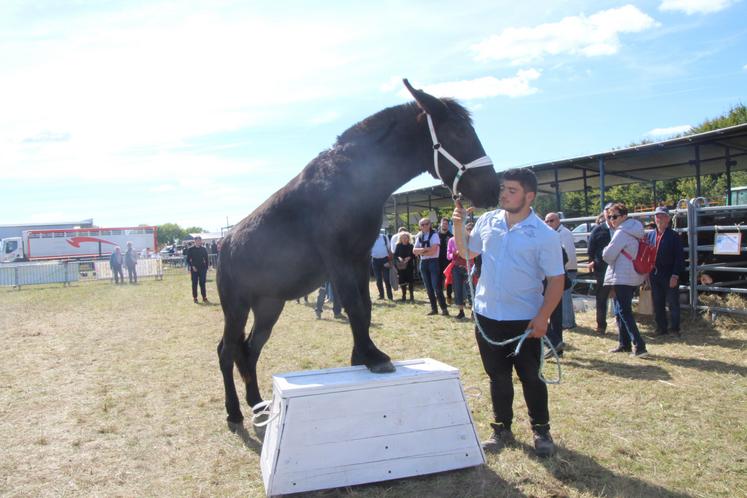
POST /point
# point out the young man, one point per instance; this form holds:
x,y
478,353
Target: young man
x,y
670,262
518,252
197,261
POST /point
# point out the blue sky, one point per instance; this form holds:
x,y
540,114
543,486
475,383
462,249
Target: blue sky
x,y
193,112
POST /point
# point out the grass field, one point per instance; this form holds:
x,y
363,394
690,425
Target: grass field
x,y
115,391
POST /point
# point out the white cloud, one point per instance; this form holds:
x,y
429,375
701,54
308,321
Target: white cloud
x,y
668,132
690,7
588,36
488,86
744,67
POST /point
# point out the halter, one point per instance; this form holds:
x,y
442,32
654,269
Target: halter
x,y
437,149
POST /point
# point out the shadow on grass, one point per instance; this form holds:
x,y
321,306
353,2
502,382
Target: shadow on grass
x,y
253,443
582,473
705,365
474,482
641,371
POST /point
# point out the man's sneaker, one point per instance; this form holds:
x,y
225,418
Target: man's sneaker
x,y
460,316
601,330
660,332
675,332
318,315
639,353
543,443
449,300
196,301
445,312
205,300
500,439
432,312
620,349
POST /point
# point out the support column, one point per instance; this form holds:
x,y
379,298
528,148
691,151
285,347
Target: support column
x,y
557,191
729,164
601,182
586,196
697,172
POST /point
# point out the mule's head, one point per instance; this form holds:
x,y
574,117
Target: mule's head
x,y
452,126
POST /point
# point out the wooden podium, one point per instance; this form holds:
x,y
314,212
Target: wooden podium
x,y
344,426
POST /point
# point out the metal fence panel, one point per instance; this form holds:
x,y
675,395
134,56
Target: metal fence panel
x,y
19,274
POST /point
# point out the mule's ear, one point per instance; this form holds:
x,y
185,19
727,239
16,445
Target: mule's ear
x,y
428,103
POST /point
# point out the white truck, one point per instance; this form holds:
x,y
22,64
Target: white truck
x,y
77,243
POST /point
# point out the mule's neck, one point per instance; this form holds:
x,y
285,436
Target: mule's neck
x,y
402,153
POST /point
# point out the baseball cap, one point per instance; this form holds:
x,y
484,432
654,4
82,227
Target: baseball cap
x,y
661,210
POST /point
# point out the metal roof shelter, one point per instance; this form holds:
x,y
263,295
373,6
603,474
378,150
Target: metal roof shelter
x,y
718,151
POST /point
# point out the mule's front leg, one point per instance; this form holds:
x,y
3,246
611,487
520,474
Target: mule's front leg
x,y
353,289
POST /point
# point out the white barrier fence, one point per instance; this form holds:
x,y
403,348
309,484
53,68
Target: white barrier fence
x,y
48,272
64,272
145,268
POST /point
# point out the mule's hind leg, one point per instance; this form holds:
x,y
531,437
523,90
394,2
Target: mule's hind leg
x,y
229,349
266,313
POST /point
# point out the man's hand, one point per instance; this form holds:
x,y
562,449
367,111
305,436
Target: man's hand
x,y
538,324
674,281
459,214
590,266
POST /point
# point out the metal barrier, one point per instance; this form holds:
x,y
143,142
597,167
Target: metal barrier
x,y
696,209
152,267
48,272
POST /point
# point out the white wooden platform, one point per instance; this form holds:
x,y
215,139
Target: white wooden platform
x,y
345,426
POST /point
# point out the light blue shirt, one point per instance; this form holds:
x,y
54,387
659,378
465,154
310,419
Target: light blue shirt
x,y
514,264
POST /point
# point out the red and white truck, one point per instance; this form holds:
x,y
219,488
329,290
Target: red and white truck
x,y
76,243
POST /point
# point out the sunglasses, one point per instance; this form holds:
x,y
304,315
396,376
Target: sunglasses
x,y
615,216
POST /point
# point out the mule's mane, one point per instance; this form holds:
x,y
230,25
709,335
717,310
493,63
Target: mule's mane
x,y
379,125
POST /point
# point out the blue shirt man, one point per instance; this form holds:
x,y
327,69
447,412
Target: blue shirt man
x,y
518,252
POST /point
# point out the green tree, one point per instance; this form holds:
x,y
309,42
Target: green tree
x,y
168,233
189,230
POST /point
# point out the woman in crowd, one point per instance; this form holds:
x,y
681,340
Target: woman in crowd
x,y
405,263
622,277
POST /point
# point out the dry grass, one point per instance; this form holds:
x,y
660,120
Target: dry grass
x,y
115,391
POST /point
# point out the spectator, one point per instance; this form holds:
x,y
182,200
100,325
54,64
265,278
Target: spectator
x,y
130,259
326,291
405,263
198,262
395,239
670,262
444,235
571,267
427,247
555,329
599,239
459,276
518,252
380,261
115,262
623,278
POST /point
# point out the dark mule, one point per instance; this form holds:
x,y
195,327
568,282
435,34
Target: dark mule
x,y
322,225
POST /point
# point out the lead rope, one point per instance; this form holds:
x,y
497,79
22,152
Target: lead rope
x,y
519,339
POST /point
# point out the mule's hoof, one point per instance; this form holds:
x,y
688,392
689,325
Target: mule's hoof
x,y
235,420
382,368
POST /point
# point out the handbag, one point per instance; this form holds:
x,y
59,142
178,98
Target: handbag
x,y
645,300
393,277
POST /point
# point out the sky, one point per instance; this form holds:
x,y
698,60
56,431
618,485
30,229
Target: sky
x,y
195,112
